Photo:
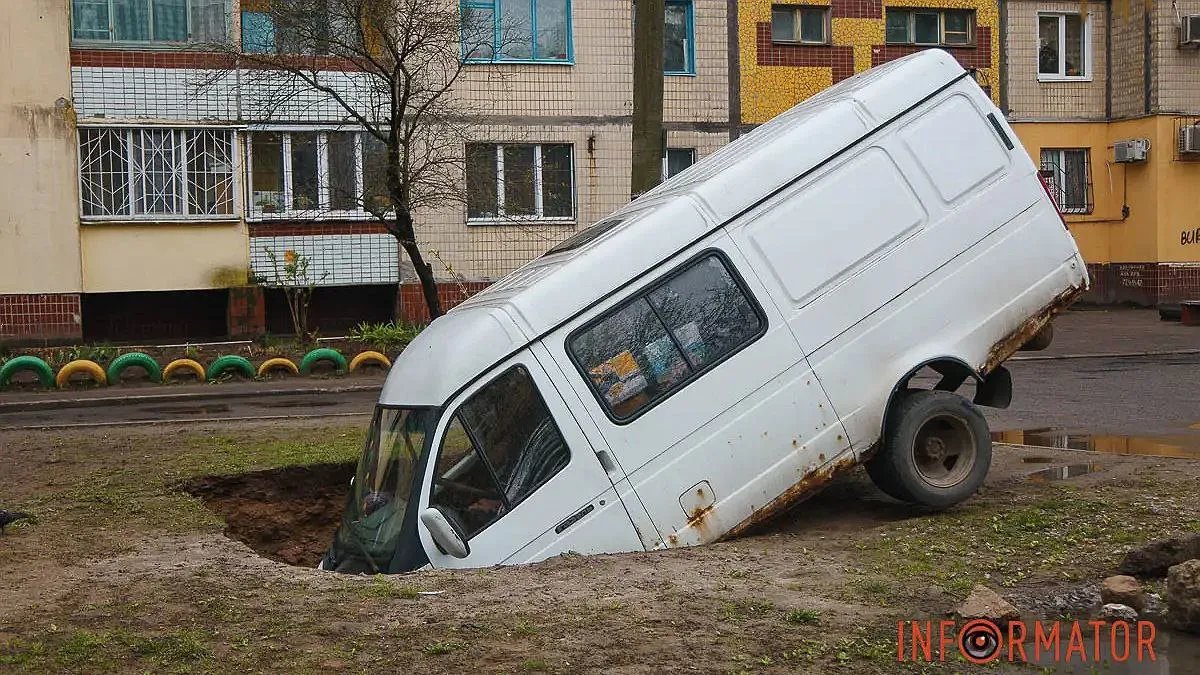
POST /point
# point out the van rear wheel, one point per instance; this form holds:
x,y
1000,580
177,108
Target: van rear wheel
x,y
936,450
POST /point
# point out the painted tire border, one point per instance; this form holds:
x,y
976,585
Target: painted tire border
x,y
369,357
230,362
93,369
322,354
44,372
183,364
278,362
154,371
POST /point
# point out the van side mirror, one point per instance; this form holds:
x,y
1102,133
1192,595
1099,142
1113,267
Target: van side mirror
x,y
445,532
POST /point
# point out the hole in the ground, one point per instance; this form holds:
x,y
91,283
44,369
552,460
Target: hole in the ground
x,y
288,515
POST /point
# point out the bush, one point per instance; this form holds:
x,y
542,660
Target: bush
x,y
388,337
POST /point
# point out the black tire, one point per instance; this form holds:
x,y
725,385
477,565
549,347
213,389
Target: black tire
x,y
936,450
1040,340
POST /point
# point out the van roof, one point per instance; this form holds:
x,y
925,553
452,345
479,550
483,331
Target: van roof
x,y
595,262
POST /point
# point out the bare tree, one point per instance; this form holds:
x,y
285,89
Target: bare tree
x,y
390,67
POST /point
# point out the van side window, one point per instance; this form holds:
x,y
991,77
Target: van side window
x,y
644,350
500,446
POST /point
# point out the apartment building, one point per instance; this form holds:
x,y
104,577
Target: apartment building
x,y
1107,97
790,50
147,185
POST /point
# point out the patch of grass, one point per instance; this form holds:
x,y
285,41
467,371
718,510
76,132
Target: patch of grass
x,y
443,647
525,628
388,337
736,610
1066,533
803,616
535,666
382,588
222,454
101,651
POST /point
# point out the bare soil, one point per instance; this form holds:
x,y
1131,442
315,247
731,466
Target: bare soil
x,y
124,569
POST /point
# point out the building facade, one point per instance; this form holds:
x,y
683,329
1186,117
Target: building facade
x,y
1083,79
165,180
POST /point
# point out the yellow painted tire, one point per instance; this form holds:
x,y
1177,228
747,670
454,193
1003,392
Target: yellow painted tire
x,y
369,357
183,364
93,370
271,364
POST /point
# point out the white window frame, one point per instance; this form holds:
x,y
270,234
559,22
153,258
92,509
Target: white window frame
x,y
1061,76
666,159
796,11
538,209
180,171
322,210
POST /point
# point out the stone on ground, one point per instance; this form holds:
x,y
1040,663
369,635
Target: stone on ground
x,y
1123,590
1183,596
984,603
1115,611
1153,559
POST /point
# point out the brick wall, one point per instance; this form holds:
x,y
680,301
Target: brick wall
x,y
40,316
1146,284
412,301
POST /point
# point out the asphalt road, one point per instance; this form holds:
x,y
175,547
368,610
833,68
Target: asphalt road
x,y
1137,396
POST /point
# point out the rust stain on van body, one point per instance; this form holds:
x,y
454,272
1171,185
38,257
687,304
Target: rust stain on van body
x,y
1009,344
807,487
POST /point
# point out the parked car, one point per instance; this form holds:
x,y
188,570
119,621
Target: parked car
x,y
717,350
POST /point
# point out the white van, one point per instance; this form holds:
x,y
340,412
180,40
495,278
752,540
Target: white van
x,y
717,350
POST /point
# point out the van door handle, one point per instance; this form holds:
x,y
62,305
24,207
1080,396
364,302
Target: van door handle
x,y
578,516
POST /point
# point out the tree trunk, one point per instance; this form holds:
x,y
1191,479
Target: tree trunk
x,y
406,235
647,95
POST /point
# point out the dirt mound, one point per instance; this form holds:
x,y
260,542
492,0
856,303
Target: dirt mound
x,y
288,514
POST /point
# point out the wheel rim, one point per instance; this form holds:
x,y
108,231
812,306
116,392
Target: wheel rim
x,y
944,451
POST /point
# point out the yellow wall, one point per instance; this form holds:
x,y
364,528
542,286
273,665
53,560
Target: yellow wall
x,y
163,256
39,236
1160,192
767,90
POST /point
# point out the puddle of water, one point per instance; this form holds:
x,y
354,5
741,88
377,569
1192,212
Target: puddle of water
x,y
311,403
1064,472
1037,460
1187,447
206,409
1173,653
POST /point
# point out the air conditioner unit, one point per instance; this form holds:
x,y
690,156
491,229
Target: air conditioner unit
x,y
1133,150
1189,139
1189,30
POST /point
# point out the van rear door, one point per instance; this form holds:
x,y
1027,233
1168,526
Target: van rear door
x,y
514,474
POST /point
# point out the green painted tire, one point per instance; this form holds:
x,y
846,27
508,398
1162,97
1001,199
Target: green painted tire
x,y
44,373
119,364
230,362
323,354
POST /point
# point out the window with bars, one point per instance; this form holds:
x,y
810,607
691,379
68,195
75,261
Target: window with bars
x,y
520,181
148,21
1068,173
310,174
149,173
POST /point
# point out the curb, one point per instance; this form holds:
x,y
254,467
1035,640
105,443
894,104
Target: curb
x,y
1108,355
142,423
104,401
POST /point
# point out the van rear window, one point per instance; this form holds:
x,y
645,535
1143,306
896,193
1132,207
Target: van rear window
x,y
655,343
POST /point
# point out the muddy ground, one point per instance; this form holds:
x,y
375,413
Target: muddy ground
x,y
124,569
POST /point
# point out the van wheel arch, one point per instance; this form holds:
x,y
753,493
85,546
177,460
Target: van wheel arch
x,y
993,390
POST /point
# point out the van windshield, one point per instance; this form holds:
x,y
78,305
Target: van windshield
x,y
383,485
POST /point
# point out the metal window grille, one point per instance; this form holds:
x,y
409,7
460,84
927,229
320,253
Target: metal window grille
x,y
1069,175
155,172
